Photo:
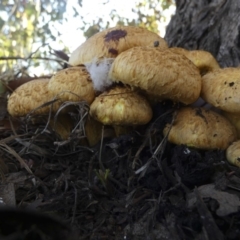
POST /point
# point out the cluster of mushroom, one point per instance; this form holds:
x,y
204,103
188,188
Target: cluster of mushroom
x,y
121,71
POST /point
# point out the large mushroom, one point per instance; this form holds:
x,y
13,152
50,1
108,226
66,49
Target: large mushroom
x,y
161,73
99,51
200,128
111,42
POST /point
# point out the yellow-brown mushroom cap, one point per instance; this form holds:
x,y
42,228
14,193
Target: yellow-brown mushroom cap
x,y
221,89
201,128
234,119
72,84
203,60
163,74
111,42
233,153
30,96
121,106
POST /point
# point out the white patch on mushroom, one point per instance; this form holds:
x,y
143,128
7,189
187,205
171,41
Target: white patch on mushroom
x,y
98,70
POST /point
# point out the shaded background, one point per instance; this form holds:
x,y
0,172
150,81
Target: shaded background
x,y
30,30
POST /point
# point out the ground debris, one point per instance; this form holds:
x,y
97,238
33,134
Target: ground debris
x,y
136,186
225,203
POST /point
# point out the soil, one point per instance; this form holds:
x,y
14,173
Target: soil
x,y
136,186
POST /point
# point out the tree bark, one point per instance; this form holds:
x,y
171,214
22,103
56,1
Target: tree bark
x,y
211,25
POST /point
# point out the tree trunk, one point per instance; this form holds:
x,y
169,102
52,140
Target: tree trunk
x,y
211,25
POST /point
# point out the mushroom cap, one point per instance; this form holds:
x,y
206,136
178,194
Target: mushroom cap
x,y
203,60
111,42
201,128
220,88
29,96
233,153
234,119
121,106
72,84
161,73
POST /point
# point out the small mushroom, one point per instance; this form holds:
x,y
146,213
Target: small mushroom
x,y
111,42
203,60
233,153
72,84
201,128
221,88
121,106
161,73
29,96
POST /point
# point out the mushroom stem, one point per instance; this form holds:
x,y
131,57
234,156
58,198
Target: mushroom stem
x,y
63,126
93,131
122,130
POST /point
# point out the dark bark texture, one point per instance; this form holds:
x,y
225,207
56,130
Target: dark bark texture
x,y
211,25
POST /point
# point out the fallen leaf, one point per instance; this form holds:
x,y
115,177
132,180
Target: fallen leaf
x,y
228,203
7,194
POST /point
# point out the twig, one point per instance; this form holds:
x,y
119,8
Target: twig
x,y
160,147
8,139
32,58
75,204
12,152
148,138
100,151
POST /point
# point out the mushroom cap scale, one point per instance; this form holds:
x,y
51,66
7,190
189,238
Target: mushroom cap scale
x,y
160,73
111,42
72,84
30,96
201,128
121,106
221,88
